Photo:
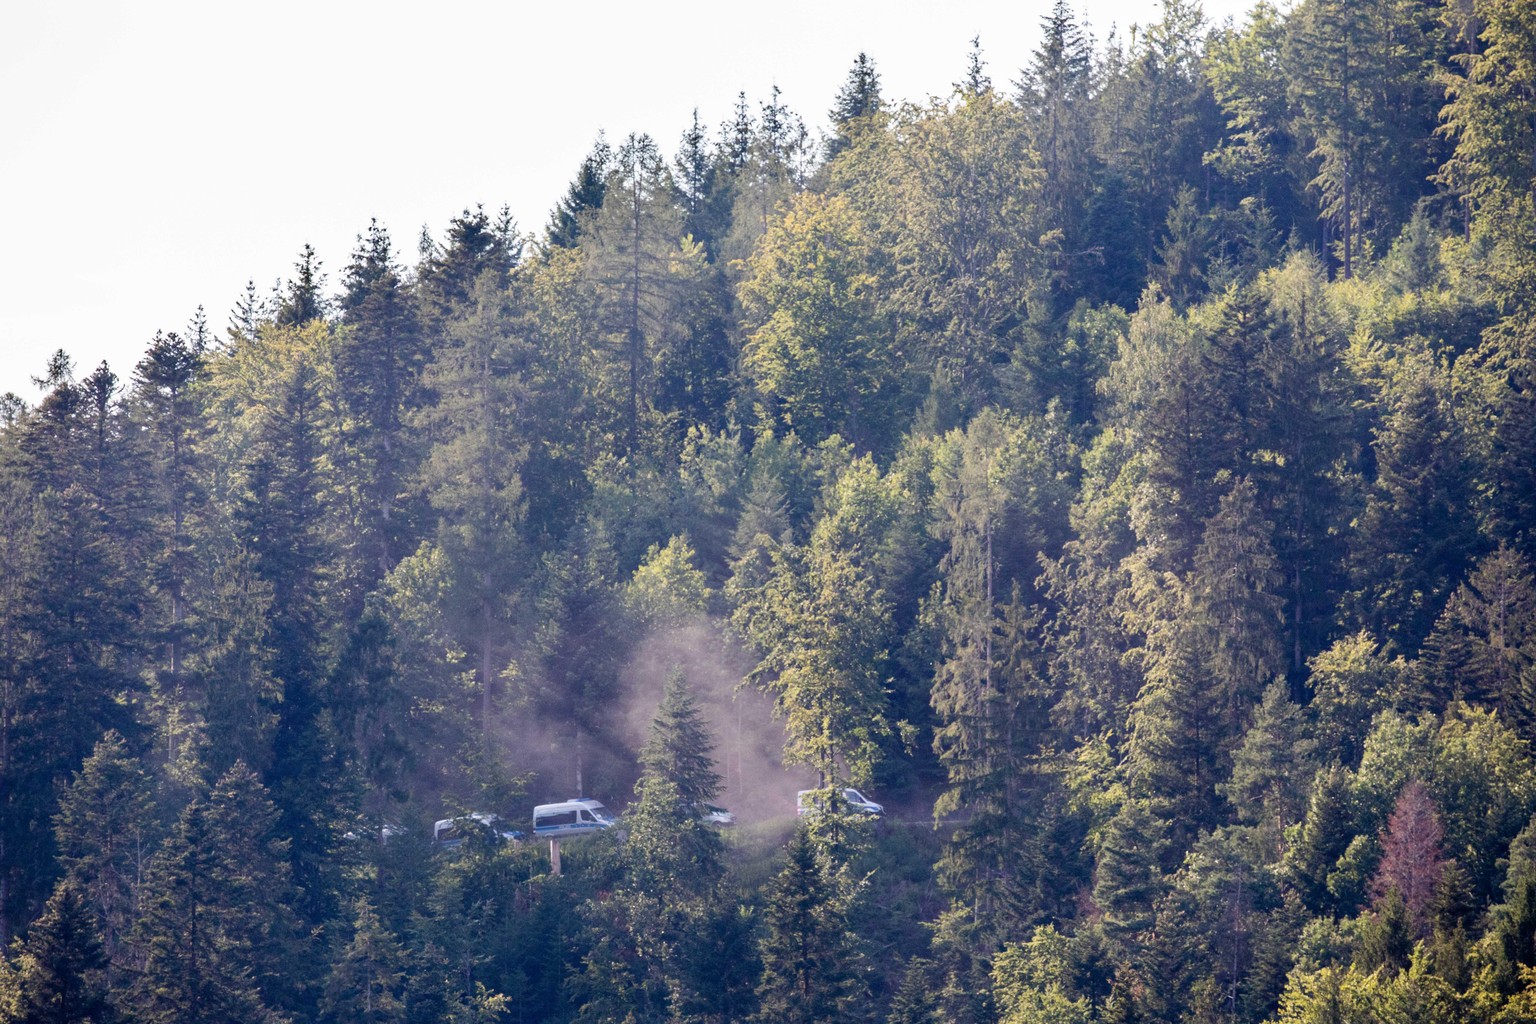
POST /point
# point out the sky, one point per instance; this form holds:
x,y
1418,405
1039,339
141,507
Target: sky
x,y
155,155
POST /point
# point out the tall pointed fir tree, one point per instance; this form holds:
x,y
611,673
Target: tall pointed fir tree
x,y
281,518
474,482
191,973
1056,95
169,421
106,831
810,967
379,355
639,264
857,107
61,966
584,197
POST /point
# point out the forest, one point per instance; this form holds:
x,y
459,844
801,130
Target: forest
x,y
1121,468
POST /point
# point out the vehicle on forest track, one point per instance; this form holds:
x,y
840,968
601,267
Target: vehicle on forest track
x,y
450,833
577,817
809,801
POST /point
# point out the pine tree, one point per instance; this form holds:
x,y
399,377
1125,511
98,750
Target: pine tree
x,y
61,962
191,972
379,356
304,299
259,905
448,275
809,968
640,266
1483,648
857,106
584,197
72,650
822,623
680,746
169,422
1056,94
1270,766
366,985
1128,878
281,514
1416,536
106,833
473,476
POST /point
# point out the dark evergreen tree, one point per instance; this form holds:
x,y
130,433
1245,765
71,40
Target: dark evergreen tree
x,y
61,966
168,422
1483,648
366,985
106,833
584,197
1056,93
192,973
448,273
809,969
680,748
281,514
304,297
379,357
857,106
71,651
1416,536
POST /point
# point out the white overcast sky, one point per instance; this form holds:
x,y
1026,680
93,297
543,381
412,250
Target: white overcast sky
x,y
156,155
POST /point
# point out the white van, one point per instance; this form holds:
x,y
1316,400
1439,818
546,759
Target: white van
x,y
808,801
570,818
450,833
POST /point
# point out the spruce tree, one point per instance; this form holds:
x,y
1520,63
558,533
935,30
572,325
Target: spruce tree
x,y
584,197
379,357
192,971
856,107
61,965
680,746
366,984
810,972
106,832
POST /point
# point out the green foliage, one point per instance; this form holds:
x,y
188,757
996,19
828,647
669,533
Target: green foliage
x,y
1196,635
810,966
59,971
667,588
106,830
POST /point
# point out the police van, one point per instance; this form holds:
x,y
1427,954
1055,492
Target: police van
x,y
570,818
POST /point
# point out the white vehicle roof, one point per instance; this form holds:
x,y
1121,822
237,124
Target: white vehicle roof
x,y
581,803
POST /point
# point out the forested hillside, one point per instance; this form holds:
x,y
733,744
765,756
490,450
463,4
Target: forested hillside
x,y
1123,468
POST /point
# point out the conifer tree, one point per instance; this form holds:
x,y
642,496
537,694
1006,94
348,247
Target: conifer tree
x,y
61,965
1416,536
367,982
379,357
304,299
639,263
473,472
584,197
169,421
1412,863
449,273
1056,93
191,973
821,622
680,748
106,833
857,106
1483,648
810,972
